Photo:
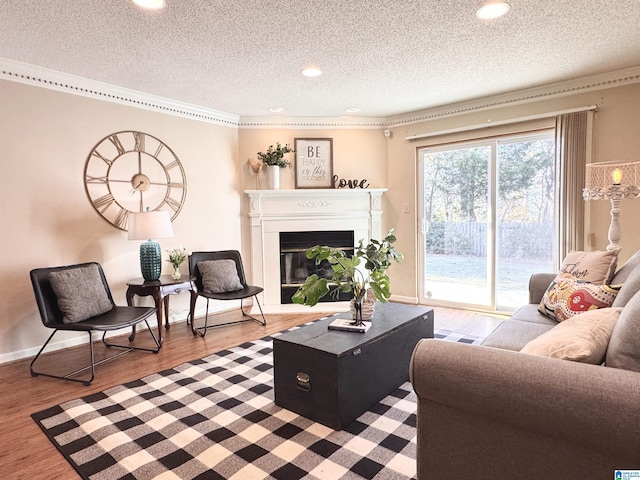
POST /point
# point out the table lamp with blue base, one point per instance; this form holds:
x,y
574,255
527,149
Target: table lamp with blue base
x,y
148,225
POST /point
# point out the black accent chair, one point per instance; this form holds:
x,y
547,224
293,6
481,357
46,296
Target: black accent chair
x,y
246,291
115,319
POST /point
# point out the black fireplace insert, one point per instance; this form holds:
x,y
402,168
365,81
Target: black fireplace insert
x,y
295,267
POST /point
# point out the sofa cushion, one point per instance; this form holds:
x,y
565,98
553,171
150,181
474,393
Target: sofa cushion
x,y
624,346
568,296
629,288
530,313
80,293
594,267
515,334
219,276
582,338
624,271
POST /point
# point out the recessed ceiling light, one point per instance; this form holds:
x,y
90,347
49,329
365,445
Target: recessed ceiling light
x,y
276,109
151,4
352,110
491,9
311,71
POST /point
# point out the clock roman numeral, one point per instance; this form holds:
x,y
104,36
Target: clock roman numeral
x,y
116,142
160,147
122,218
90,179
108,161
173,164
139,141
103,202
174,204
176,185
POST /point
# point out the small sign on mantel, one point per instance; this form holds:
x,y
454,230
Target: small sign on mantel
x,y
314,162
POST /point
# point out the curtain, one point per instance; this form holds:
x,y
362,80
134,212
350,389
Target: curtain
x,y
573,152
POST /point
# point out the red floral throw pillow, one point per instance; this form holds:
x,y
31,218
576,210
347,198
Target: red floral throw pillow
x,y
568,296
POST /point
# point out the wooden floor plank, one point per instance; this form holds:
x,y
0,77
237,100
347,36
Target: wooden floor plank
x,y
28,454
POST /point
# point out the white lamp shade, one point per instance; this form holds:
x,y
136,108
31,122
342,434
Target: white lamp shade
x,y
600,175
146,225
612,180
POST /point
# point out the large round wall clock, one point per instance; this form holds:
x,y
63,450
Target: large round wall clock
x,y
133,172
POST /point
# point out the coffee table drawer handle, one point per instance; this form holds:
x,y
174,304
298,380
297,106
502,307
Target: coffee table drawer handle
x,y
303,381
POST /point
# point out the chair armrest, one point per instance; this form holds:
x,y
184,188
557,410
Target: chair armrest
x,y
502,406
538,284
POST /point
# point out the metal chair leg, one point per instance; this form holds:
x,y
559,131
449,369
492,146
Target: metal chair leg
x,y
203,330
250,317
68,376
128,348
92,365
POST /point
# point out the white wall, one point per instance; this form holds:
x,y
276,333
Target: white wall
x,y
357,154
46,218
615,137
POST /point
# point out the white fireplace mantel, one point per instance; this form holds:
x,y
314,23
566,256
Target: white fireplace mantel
x,y
275,211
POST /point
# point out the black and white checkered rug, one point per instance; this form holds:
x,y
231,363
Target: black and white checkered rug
x,y
215,418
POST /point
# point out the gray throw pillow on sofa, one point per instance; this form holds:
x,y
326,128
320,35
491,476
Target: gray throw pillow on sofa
x,y
624,345
80,293
219,276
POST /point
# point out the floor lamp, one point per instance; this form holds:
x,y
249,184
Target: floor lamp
x,y
612,181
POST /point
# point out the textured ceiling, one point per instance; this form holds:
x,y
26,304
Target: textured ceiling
x,y
384,57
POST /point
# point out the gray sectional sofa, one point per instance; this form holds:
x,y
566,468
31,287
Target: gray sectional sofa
x,y
488,413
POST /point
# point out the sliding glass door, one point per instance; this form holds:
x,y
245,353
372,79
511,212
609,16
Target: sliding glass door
x,y
487,220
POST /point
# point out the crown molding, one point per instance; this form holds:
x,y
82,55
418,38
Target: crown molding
x,y
309,123
566,88
12,70
28,74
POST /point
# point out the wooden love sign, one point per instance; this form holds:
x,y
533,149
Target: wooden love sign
x,y
342,183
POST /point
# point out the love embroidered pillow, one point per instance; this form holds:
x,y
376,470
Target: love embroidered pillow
x,y
595,267
568,296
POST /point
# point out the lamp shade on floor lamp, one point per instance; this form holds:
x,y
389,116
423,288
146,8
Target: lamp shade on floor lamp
x,y
149,225
613,181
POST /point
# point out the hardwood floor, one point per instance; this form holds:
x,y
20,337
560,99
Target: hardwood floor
x,y
465,321
28,454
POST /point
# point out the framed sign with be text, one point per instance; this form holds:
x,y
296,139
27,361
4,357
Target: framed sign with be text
x,y
314,162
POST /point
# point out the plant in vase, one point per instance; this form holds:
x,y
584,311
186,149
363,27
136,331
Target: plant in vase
x,y
274,159
177,255
347,277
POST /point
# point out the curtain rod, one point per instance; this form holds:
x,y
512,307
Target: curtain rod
x,y
489,123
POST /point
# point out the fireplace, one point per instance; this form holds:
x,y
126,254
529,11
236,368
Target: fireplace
x,y
295,267
313,212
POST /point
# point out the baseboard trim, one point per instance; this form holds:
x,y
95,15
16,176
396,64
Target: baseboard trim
x,y
74,338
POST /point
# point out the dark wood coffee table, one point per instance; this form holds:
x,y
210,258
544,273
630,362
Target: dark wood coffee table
x,y
333,377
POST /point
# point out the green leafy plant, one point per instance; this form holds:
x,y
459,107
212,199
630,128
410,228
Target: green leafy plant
x,y
346,276
275,156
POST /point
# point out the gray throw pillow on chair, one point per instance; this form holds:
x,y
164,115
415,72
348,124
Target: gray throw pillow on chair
x,y
219,276
80,293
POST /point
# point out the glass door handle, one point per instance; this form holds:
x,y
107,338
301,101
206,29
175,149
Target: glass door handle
x,y
424,226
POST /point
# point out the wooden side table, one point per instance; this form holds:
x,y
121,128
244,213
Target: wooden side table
x,y
160,290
